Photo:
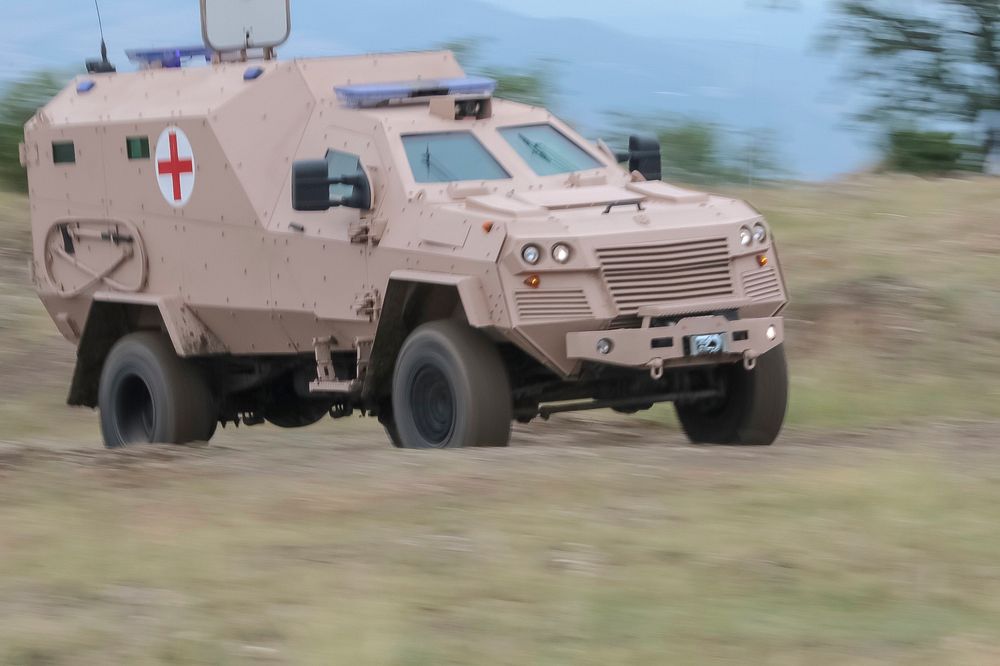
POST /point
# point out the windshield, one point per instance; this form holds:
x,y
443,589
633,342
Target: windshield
x,y
547,150
450,157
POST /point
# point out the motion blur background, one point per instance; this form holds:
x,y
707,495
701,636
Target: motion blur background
x,y
868,132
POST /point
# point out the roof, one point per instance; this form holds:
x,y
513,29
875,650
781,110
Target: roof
x,y
200,91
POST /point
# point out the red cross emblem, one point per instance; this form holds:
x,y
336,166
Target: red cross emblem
x,y
175,166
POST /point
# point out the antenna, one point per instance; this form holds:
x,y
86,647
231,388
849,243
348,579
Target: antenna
x,y
102,66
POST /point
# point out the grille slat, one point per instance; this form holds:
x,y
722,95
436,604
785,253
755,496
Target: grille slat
x,y
762,285
552,304
667,272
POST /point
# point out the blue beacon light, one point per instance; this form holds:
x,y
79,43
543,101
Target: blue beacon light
x,y
377,94
169,58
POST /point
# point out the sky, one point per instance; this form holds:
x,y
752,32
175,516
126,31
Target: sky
x,y
715,59
30,26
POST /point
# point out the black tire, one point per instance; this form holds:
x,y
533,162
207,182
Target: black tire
x,y
389,423
148,394
752,411
450,389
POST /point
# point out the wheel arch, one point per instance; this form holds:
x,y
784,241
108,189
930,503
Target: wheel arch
x,y
110,318
413,298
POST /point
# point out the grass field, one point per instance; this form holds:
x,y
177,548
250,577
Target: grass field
x,y
868,535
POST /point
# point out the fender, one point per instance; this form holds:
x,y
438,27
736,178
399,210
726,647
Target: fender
x,y
413,298
115,315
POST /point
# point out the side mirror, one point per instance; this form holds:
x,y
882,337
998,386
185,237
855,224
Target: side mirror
x,y
644,156
311,183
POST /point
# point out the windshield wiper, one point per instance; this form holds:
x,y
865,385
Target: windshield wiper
x,y
432,163
536,148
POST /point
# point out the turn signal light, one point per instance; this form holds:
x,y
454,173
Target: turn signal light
x,y
534,282
762,260
487,227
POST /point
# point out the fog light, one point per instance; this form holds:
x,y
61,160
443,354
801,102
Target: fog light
x,y
772,333
604,346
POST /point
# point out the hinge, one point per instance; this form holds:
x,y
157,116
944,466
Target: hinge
x,y
368,304
369,231
359,232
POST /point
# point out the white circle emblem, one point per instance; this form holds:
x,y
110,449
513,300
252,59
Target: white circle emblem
x,y
175,167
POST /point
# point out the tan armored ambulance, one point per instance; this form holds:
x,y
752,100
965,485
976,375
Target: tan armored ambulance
x,y
275,241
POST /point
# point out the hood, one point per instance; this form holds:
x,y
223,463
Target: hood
x,y
538,203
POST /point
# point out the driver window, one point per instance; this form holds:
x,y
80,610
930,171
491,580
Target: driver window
x,y
341,164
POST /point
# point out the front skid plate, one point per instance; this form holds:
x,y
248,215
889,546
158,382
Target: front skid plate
x,y
643,347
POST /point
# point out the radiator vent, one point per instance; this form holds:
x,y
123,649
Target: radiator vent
x,y
762,285
552,304
667,273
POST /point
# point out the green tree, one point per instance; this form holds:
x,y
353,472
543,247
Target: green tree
x,y
534,85
704,153
925,61
915,151
18,103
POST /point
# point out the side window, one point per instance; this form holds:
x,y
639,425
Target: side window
x,y
342,164
137,147
63,152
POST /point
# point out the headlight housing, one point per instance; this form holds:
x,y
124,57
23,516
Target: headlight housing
x,y
531,254
759,233
746,236
562,253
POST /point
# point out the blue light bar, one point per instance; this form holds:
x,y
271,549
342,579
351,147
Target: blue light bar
x,y
85,86
378,94
170,58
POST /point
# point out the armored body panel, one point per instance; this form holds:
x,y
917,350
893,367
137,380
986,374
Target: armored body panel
x,y
173,194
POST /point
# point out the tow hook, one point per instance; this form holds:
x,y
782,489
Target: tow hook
x,y
656,369
749,361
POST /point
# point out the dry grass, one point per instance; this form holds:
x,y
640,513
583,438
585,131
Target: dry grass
x,y
895,309
884,552
589,542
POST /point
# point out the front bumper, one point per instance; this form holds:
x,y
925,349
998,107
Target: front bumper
x,y
666,346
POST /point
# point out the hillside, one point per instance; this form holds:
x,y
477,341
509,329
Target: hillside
x,y
866,535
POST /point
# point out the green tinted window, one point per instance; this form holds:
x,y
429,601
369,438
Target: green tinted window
x,y
450,157
547,150
63,152
138,147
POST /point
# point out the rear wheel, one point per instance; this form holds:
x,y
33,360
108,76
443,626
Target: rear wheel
x,y
148,394
752,410
450,389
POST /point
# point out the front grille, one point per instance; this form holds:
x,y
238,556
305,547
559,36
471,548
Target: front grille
x,y
762,285
552,304
668,272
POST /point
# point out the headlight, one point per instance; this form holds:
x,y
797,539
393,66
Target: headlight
x,y
759,233
561,253
746,237
531,254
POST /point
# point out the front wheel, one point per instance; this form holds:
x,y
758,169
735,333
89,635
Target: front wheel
x,y
148,394
751,411
450,389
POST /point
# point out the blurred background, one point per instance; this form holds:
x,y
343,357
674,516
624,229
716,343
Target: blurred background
x,y
868,133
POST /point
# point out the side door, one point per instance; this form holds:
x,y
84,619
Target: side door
x,y
319,277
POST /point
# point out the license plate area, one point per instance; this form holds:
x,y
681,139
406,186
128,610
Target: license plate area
x,y
708,344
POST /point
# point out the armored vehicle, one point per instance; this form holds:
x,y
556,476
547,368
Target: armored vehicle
x,y
256,240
